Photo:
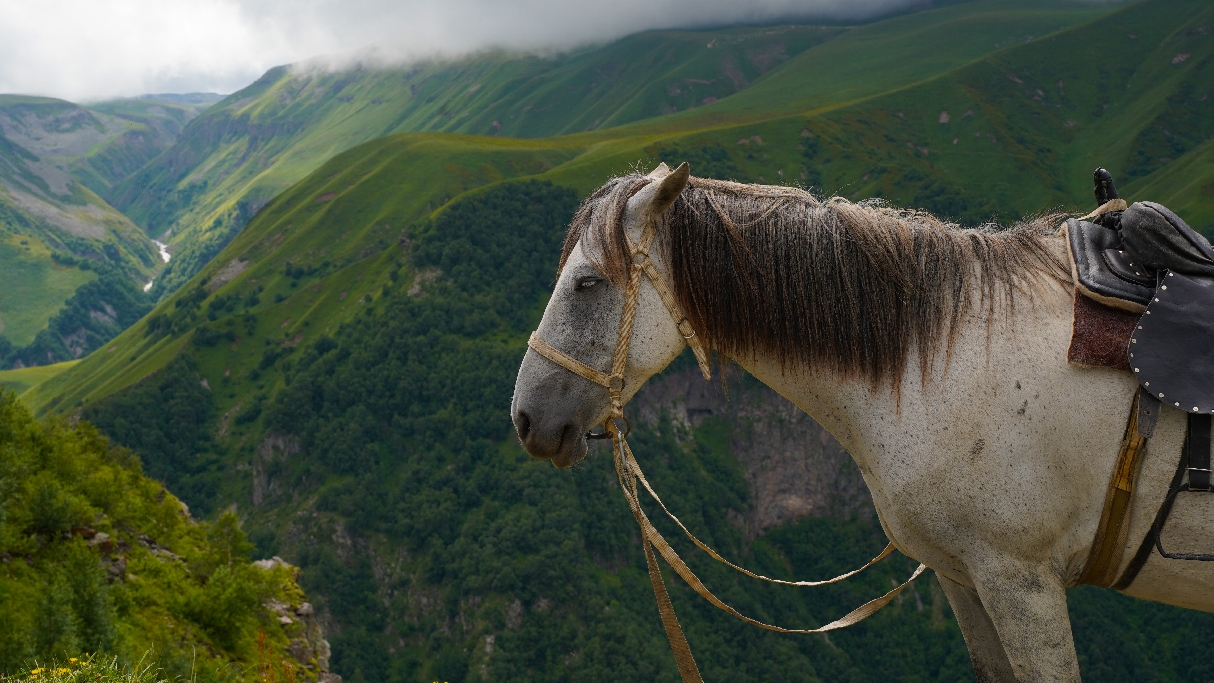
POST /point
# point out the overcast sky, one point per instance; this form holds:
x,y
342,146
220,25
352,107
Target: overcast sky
x,y
85,50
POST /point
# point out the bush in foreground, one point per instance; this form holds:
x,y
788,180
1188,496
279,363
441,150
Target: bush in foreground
x,y
97,558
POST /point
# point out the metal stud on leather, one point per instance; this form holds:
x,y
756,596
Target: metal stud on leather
x,y
1172,351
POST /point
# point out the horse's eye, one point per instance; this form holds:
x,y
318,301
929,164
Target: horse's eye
x,y
587,283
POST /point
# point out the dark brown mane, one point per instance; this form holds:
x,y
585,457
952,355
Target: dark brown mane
x,y
821,283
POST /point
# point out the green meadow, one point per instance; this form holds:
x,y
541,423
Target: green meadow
x,y
35,286
17,381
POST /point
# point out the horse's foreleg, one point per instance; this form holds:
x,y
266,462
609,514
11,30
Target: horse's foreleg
x,y
1027,605
986,652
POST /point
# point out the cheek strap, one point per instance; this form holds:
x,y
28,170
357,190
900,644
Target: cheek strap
x,y
614,381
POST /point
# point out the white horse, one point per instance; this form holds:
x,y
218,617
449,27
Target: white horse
x,y
936,356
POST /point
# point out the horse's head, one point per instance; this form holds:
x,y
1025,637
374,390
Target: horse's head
x,y
553,407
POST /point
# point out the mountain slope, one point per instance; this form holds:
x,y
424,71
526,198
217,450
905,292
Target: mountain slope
x,y
100,559
41,140
336,237
359,340
262,139
245,150
57,232
152,124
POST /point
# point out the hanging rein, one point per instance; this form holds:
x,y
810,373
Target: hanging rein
x,y
629,471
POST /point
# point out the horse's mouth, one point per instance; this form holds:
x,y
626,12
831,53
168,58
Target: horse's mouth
x,y
572,448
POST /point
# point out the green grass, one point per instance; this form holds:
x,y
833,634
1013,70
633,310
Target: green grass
x,y
888,55
101,559
98,669
351,214
33,287
18,381
1186,186
55,161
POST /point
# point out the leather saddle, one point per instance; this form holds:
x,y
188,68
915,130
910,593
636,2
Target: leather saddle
x,y
1144,290
1145,260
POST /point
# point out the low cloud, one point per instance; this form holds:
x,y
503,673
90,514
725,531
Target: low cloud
x,y
85,50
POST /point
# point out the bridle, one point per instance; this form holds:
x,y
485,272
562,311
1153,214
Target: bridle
x,y
629,471
614,382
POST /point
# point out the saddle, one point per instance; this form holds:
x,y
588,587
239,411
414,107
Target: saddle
x,y
1157,275
1144,302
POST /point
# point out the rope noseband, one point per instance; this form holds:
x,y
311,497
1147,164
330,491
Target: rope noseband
x,y
629,471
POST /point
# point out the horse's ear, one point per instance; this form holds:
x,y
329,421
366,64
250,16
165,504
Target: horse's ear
x,y
660,172
669,188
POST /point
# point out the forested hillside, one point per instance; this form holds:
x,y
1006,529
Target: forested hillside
x,y
341,370
96,558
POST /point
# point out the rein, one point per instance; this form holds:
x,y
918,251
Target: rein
x,y
629,471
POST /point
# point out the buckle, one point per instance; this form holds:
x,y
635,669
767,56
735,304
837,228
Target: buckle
x,y
686,330
607,435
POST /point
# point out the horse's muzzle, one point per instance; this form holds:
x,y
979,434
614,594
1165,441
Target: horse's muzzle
x,y
564,443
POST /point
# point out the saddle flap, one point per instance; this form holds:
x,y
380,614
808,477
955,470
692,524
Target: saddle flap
x,y
1102,271
1171,351
1120,264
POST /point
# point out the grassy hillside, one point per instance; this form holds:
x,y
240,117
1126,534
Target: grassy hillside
x,y
358,340
247,149
56,158
1185,185
146,125
36,286
98,559
260,140
18,381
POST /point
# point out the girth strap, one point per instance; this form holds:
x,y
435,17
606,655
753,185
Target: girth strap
x,y
1195,463
1104,559
1199,452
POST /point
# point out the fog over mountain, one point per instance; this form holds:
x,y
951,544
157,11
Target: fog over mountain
x,y
95,49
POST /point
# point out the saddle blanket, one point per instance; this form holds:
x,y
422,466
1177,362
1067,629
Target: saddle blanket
x,y
1100,335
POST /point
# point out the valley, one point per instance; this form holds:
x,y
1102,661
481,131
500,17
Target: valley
x,y
358,255
58,233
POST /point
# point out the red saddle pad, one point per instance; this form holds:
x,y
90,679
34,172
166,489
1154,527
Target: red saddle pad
x,y
1100,335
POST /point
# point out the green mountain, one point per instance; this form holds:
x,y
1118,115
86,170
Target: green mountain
x,y
58,236
256,143
98,559
358,340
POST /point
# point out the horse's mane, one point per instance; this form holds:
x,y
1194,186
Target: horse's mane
x,y
850,287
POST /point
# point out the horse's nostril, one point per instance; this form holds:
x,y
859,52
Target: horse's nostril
x,y
522,425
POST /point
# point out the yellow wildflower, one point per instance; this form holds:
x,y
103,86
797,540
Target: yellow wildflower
x,y
73,660
62,670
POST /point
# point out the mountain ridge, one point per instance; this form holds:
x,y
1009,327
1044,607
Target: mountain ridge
x,y
496,93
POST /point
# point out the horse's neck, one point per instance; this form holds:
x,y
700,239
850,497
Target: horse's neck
x,y
844,406
1020,353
